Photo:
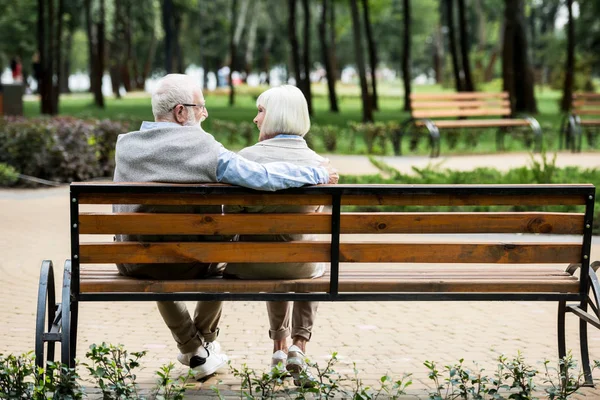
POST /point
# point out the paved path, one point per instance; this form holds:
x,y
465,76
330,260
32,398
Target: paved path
x,y
380,338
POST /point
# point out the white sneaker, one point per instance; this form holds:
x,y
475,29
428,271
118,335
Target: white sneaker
x,y
203,366
298,368
278,360
212,347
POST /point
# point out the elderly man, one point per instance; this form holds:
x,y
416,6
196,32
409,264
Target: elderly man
x,y
174,148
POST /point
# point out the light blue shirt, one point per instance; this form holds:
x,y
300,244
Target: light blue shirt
x,y
236,170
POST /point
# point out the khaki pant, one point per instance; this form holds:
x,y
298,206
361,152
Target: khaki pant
x,y
189,334
301,314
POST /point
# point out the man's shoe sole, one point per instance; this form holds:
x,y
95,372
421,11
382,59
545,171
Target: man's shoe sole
x,y
209,372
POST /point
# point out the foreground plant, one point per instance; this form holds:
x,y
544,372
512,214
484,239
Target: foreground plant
x,y
112,369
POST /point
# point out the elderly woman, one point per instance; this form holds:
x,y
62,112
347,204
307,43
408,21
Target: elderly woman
x,y
283,120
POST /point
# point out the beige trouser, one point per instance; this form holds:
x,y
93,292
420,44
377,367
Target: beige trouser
x,y
302,318
189,334
281,313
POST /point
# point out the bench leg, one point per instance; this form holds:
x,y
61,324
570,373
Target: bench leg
x,y
46,315
69,315
585,355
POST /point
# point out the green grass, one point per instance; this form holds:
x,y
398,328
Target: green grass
x,y
136,107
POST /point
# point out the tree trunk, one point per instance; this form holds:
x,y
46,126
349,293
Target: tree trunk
x,y
360,63
332,41
167,17
115,56
56,66
306,57
325,54
249,56
266,58
177,51
45,81
438,55
464,47
452,39
372,54
92,45
570,67
98,96
294,42
516,66
232,51
406,75
65,67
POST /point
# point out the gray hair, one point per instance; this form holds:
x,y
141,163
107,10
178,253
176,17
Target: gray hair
x,y
171,90
286,111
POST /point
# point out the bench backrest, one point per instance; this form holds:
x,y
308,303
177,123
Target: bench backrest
x,y
586,104
90,245
471,104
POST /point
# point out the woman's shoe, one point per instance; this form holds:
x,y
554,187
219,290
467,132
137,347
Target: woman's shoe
x,y
279,360
297,367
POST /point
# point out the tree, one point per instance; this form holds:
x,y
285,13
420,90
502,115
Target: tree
x,y
360,63
460,86
306,66
96,42
49,40
565,104
326,56
294,46
372,54
406,56
516,66
464,47
171,15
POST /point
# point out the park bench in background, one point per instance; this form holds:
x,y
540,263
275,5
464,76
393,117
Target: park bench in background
x,y
585,115
475,110
432,261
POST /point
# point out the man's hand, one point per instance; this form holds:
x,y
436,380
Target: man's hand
x,y
333,174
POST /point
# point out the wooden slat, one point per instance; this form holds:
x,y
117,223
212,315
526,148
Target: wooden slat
x,y
191,199
460,113
458,96
470,200
317,223
418,252
587,112
586,103
459,104
589,122
481,123
363,281
586,95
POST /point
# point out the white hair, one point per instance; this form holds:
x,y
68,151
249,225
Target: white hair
x,y
286,111
171,90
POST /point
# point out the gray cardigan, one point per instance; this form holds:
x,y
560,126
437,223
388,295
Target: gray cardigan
x,y
295,151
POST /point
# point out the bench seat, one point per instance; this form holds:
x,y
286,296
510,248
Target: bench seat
x,y
542,279
479,123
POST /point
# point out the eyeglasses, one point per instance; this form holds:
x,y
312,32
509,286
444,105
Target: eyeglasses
x,y
187,105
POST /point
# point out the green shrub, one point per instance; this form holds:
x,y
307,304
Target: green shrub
x,y
8,175
59,149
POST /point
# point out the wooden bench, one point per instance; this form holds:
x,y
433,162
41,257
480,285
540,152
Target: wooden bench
x,y
585,114
529,257
434,111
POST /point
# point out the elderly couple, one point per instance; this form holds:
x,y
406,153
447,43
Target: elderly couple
x,y
174,148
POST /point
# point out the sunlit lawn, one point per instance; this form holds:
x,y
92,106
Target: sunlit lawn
x,y
136,107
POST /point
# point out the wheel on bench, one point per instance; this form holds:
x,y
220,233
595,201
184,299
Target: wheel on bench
x,y
46,315
69,314
594,304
